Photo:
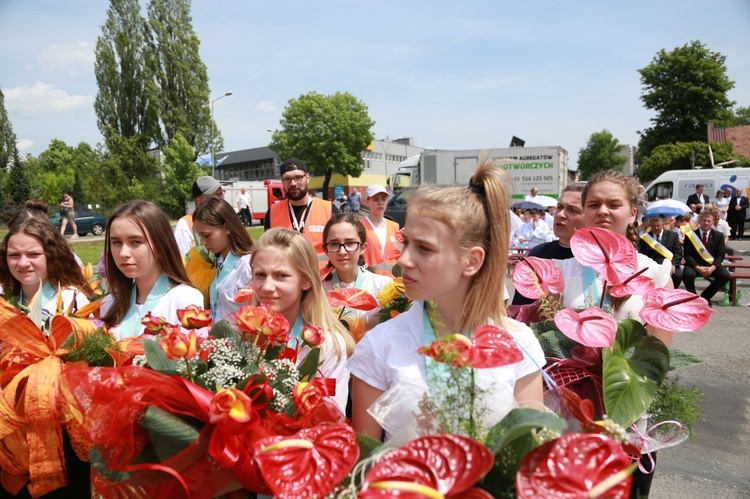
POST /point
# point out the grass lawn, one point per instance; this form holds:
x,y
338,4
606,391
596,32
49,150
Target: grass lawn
x,y
90,251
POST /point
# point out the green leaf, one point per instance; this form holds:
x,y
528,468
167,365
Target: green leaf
x,y
97,461
632,372
156,357
511,439
680,359
273,352
222,329
169,433
308,367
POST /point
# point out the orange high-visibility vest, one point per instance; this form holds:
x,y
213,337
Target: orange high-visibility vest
x,y
317,218
374,252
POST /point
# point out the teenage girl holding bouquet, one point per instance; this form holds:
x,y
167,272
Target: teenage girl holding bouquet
x,y
345,244
223,234
455,252
286,278
144,270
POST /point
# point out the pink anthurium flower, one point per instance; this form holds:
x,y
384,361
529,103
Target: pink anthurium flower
x,y
358,299
607,252
636,284
593,327
533,276
675,310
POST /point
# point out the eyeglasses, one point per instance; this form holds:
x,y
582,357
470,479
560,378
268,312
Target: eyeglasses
x,y
349,246
296,180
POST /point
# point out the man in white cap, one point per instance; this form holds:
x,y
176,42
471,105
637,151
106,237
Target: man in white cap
x,y
203,188
381,232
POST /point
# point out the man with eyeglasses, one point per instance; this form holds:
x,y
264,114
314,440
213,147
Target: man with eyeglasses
x,y
203,188
302,212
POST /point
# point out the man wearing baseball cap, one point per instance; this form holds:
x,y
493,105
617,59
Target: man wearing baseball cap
x,y
381,232
301,212
203,188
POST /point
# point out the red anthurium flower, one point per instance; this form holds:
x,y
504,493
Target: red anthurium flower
x,y
244,295
533,276
604,251
576,465
308,464
675,310
636,284
442,465
326,271
358,299
400,236
154,325
593,327
194,317
490,347
307,396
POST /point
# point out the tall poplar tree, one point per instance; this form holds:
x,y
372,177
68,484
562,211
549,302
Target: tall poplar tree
x,y
18,180
180,74
7,137
125,105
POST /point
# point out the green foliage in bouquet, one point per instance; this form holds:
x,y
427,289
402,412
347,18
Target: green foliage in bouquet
x,y
94,350
675,403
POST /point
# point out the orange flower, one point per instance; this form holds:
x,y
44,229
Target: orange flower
x,y
230,404
308,396
244,295
312,336
194,317
261,321
154,325
178,345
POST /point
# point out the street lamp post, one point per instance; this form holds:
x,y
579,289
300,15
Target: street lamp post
x,y
385,154
213,154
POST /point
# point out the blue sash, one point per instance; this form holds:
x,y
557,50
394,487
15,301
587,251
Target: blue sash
x,y
131,323
225,268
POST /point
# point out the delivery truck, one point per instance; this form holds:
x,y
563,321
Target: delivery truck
x,y
545,168
679,184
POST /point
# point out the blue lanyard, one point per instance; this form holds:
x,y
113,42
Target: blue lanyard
x,y
358,282
225,268
295,335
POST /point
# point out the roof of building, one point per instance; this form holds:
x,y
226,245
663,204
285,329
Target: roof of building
x,y
246,156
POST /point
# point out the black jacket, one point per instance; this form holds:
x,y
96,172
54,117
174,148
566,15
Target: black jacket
x,y
669,240
734,201
715,246
694,198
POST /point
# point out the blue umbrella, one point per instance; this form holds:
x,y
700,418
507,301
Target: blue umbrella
x,y
528,205
667,207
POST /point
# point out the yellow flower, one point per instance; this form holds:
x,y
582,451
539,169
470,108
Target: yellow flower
x,y
391,291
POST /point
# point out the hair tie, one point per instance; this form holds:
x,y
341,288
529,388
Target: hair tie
x,y
478,189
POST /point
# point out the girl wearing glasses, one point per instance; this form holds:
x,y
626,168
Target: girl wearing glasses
x,y
221,231
345,244
286,278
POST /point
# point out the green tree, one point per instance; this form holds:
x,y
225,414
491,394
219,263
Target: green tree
x,y
180,171
685,87
125,103
740,117
601,153
180,74
7,141
19,186
679,156
328,132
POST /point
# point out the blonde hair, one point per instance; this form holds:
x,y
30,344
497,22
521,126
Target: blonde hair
x,y
476,216
313,303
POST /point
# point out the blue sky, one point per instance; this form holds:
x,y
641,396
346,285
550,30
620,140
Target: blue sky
x,y
453,75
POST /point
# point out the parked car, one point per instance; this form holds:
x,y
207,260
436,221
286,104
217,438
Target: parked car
x,y
86,221
396,208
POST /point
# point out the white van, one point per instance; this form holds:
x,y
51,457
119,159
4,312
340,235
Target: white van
x,y
679,184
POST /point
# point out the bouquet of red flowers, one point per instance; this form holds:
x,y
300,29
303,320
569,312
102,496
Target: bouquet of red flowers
x,y
198,416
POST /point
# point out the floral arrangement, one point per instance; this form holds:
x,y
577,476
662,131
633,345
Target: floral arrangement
x,y
393,300
185,406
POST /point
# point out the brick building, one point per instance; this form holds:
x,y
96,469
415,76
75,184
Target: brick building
x,y
739,136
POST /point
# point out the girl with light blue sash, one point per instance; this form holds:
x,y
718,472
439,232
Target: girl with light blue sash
x,y
222,233
35,258
345,242
144,270
286,277
453,262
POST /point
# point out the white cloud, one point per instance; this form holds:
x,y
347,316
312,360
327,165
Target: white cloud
x,y
265,107
67,58
24,144
43,98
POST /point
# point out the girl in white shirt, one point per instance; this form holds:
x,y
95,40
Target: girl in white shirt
x,y
453,261
345,242
286,277
223,234
144,270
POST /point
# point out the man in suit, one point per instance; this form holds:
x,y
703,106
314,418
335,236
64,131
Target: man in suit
x,y
705,264
659,244
737,213
699,199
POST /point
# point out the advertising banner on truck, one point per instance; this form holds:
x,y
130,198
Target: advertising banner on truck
x,y
534,167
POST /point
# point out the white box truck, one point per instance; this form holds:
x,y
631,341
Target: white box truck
x,y
679,184
545,168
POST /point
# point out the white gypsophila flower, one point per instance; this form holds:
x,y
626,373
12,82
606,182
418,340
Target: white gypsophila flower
x,y
140,361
